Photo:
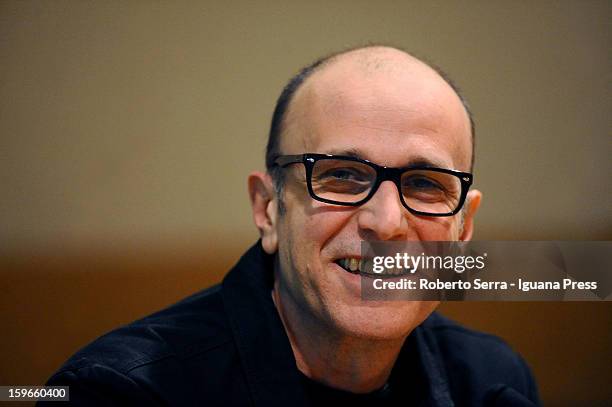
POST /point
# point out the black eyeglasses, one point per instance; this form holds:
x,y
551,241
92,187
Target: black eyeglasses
x,y
351,181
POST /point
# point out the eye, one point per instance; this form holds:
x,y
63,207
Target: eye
x,y
345,174
422,183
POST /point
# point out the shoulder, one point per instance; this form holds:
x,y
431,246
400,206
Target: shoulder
x,y
160,348
459,342
193,325
477,362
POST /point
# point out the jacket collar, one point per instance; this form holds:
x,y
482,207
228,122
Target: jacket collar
x,y
267,359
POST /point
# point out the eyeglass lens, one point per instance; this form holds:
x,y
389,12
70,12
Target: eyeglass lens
x,y
346,181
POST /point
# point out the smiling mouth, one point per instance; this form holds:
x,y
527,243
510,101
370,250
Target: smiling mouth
x,y
363,268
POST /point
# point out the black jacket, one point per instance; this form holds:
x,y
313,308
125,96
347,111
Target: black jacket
x,y
227,346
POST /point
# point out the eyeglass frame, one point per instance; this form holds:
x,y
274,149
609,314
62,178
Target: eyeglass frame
x,y
383,173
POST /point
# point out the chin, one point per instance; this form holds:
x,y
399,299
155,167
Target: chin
x,y
376,320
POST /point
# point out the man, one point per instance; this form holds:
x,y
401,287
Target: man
x,y
288,324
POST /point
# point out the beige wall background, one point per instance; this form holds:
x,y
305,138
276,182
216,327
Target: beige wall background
x,y
127,130
139,121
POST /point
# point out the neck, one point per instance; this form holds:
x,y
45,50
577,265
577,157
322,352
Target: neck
x,y
336,359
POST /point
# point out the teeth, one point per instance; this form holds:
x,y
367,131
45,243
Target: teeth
x,y
358,265
351,264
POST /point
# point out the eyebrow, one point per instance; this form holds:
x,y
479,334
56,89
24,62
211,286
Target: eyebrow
x,y
416,161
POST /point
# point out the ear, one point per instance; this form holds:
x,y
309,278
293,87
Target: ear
x,y
472,203
264,207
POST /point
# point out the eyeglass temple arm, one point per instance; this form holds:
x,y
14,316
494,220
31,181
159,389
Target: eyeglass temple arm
x,y
285,160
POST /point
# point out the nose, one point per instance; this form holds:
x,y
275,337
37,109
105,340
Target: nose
x,y
384,217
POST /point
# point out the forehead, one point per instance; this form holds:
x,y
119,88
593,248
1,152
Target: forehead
x,y
392,116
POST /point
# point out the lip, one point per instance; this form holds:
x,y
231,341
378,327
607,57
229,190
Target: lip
x,y
352,281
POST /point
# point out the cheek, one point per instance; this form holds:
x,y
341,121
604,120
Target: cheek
x,y
320,227
300,242
313,224
302,251
437,229
304,246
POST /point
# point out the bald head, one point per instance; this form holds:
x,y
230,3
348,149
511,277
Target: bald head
x,y
374,60
336,80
